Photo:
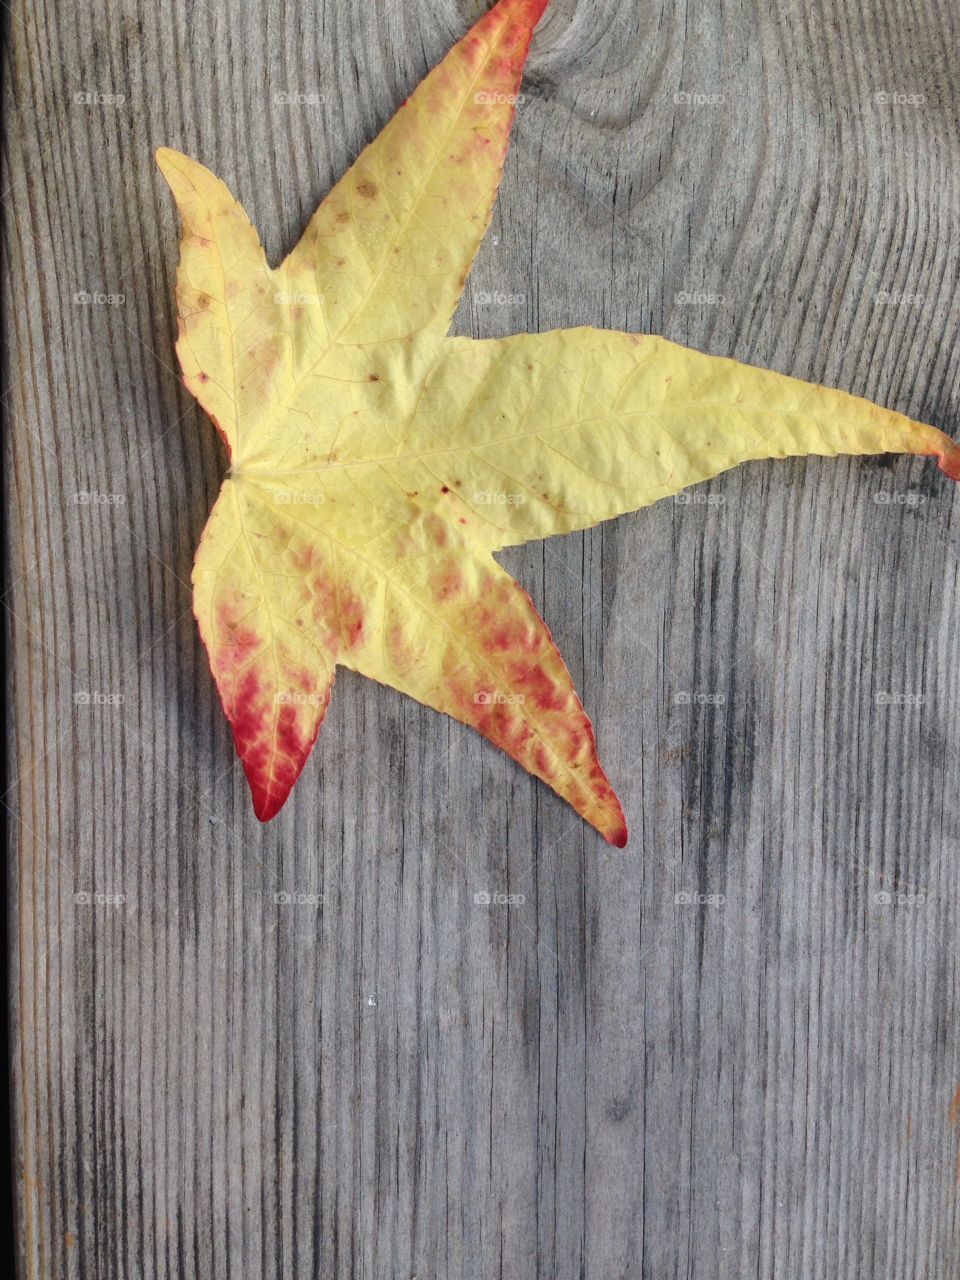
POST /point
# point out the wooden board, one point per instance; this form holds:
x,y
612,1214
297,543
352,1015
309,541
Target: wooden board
x,y
731,1050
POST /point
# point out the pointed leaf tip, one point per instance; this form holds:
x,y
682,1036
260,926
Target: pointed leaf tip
x,y
170,162
394,240
949,461
619,837
266,806
608,818
530,10
527,12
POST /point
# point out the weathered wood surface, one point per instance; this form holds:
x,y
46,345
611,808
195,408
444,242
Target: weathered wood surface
x,y
603,1080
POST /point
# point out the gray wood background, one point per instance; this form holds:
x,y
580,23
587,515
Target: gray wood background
x,y
731,1050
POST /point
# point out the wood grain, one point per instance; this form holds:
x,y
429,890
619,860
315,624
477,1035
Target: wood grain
x,y
611,1079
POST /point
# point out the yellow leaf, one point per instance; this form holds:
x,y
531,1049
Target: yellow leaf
x,y
376,463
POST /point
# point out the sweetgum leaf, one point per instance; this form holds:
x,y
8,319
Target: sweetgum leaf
x,y
376,463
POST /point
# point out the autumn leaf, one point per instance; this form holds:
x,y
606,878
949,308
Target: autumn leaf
x,y
377,463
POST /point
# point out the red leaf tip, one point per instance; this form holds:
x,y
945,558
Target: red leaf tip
x,y
949,462
619,837
267,804
613,825
529,11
